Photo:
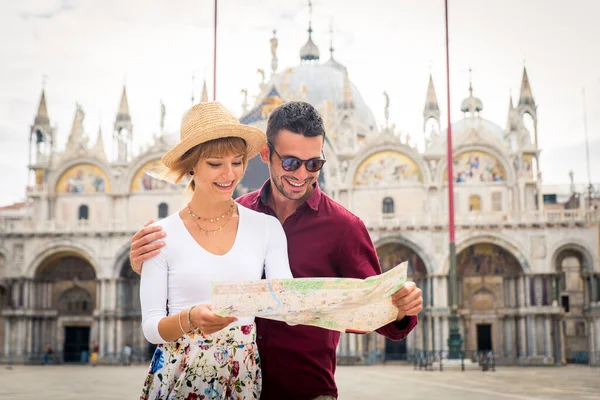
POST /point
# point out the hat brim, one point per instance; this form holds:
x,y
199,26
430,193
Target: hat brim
x,y
255,140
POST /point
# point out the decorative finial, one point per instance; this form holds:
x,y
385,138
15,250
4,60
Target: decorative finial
x,y
331,38
470,82
309,19
387,108
274,44
163,111
261,72
245,103
193,77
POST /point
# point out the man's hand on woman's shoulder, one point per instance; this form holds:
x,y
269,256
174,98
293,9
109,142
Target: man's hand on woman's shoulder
x,y
144,245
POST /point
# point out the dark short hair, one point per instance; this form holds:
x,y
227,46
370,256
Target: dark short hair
x,y
295,116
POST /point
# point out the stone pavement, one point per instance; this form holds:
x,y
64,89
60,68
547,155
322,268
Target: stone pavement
x,y
387,382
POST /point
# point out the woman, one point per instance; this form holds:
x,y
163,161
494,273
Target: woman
x,y
201,355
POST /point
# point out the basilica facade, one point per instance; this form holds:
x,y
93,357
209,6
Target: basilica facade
x,y
528,268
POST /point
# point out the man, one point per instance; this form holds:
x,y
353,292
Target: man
x,y
324,240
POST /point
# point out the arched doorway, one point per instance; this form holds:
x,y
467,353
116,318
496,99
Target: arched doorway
x,y
575,292
489,281
65,287
3,306
3,302
390,255
130,314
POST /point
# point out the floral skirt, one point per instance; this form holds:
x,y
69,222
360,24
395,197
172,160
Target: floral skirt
x,y
223,365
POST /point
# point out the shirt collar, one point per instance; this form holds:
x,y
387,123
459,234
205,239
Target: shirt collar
x,y
313,200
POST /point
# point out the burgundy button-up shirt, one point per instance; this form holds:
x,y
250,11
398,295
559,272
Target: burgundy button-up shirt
x,y
324,240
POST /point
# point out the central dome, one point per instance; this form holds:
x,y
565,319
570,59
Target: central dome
x,y
319,84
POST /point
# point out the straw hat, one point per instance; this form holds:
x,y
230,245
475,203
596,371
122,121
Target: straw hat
x,y
209,121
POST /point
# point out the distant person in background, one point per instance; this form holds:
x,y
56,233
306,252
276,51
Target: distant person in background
x,y
127,355
94,358
47,354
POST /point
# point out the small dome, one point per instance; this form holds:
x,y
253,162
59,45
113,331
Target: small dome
x,y
471,104
309,51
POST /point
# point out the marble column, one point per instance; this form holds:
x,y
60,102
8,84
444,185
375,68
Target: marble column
x,y
563,350
119,335
29,341
7,335
592,342
419,332
20,336
597,340
531,344
437,345
547,337
360,345
521,292
527,289
430,333
522,337
102,337
411,340
507,337
430,288
445,333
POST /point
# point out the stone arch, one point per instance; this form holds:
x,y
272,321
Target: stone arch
x,y
388,146
497,239
487,259
401,240
58,174
573,246
65,266
484,148
120,260
61,247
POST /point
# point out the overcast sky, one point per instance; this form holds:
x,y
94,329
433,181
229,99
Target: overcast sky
x,y
88,49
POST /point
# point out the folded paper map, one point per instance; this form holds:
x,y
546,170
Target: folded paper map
x,y
340,304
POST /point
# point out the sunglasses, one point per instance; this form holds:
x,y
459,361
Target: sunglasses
x,y
289,163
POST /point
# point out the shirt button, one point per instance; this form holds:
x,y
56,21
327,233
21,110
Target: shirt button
x,y
259,337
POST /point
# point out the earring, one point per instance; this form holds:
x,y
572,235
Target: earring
x,y
192,172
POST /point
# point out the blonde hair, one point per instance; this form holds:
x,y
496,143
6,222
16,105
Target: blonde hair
x,y
213,148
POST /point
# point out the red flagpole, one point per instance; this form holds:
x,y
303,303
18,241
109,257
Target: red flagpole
x,y
449,139
215,58
454,337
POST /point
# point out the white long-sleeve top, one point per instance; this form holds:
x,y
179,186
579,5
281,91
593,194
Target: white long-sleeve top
x,y
183,270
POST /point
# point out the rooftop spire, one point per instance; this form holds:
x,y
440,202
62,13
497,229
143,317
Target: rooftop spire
x,y
526,96
123,114
348,101
41,117
99,146
310,51
204,97
432,108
